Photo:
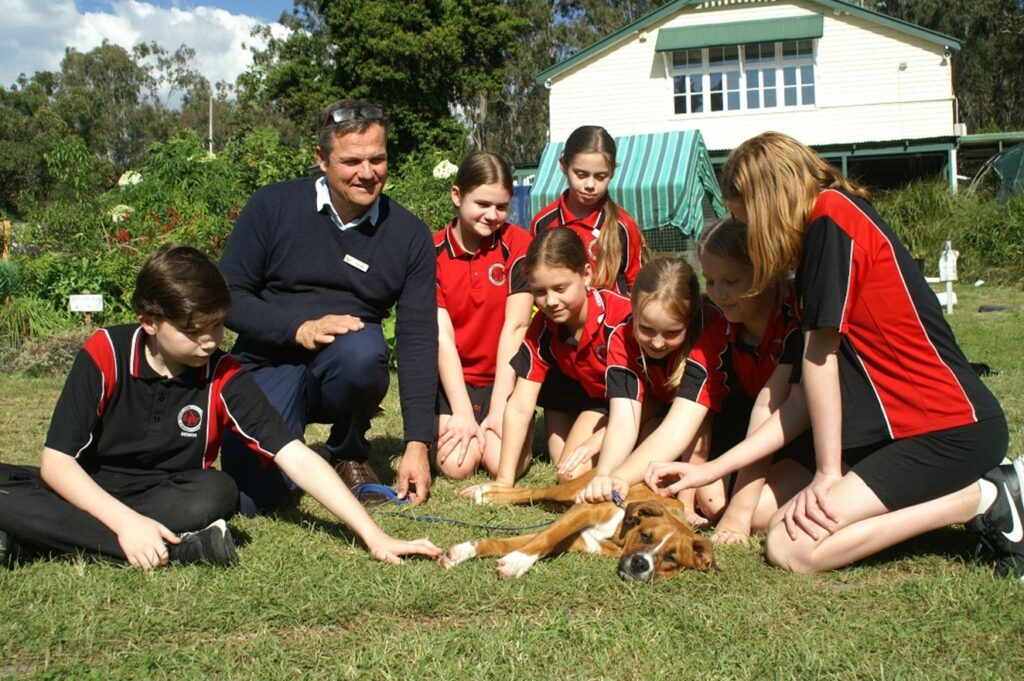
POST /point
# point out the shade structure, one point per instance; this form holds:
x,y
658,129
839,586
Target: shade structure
x,y
662,179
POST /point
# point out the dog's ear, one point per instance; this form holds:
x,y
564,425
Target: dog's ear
x,y
703,558
639,509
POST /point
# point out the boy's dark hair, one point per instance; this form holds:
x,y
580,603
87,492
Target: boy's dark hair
x,y
183,286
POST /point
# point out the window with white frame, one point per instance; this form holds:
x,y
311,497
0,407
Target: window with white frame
x,y
743,77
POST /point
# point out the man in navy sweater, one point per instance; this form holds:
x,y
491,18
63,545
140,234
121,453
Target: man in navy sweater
x,y
314,266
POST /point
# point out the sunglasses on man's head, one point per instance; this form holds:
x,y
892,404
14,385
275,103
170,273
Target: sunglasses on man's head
x,y
373,113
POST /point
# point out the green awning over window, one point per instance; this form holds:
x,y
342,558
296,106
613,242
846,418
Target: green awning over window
x,y
661,179
740,33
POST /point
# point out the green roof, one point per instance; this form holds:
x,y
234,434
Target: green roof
x,y
666,11
740,33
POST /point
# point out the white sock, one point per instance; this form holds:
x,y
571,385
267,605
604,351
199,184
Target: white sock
x,y
988,496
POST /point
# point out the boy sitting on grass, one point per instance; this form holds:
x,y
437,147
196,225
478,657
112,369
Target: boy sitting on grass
x,y
126,470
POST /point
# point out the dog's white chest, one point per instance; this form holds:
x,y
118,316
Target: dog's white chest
x,y
593,536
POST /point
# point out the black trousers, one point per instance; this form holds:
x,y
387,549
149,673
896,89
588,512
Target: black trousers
x,y
30,511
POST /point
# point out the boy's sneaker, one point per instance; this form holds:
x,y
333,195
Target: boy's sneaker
x,y
1000,529
6,549
212,544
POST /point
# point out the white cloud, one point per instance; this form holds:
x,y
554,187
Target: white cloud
x,y
34,34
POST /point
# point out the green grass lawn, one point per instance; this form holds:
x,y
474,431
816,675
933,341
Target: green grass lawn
x,y
308,601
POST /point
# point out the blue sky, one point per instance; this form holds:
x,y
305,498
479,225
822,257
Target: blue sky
x,y
35,33
264,10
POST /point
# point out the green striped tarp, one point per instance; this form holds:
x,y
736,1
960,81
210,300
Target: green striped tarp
x,y
662,179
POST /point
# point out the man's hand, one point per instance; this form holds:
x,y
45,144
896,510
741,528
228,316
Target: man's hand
x,y
144,542
316,333
414,473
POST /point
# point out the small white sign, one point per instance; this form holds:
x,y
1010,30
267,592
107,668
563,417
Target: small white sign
x,y
86,303
356,262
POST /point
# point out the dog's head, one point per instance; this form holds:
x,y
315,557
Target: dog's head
x,y
659,543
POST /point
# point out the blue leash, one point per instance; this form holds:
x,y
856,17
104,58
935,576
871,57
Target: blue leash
x,y
392,496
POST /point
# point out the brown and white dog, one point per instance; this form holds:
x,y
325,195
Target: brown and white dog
x,y
649,535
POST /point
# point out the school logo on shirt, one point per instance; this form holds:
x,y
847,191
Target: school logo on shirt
x,y
190,420
497,274
602,352
592,249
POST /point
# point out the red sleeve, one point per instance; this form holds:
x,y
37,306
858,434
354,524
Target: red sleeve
x,y
529,362
705,378
621,379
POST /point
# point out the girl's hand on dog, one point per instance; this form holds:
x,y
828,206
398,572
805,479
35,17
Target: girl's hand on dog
x,y
668,479
600,489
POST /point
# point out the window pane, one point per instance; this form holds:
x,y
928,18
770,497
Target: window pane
x,y
790,96
678,84
807,91
789,75
789,50
696,84
724,55
680,105
770,99
759,53
769,78
715,82
732,80
753,99
805,48
716,101
733,100
807,75
696,103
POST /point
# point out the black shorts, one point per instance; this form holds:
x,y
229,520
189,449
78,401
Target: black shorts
x,y
917,469
729,428
479,397
561,393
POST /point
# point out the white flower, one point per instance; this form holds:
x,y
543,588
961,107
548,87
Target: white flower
x,y
121,212
445,169
129,177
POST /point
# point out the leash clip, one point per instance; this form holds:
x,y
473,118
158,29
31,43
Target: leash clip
x,y
618,500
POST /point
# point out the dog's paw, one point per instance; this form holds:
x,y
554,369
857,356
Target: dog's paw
x,y
480,496
458,554
515,565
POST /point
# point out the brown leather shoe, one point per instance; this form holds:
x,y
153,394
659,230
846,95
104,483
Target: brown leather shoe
x,y
355,473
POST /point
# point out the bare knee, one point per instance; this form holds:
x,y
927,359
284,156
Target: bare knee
x,y
783,552
451,468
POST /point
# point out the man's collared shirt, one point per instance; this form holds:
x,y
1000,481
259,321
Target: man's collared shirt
x,y
323,199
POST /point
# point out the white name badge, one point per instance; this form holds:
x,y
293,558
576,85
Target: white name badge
x,y
357,263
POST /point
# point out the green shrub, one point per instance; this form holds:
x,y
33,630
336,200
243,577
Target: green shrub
x,y
988,235
414,186
26,317
10,278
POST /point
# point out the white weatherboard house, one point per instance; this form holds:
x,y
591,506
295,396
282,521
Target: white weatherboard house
x,y
861,87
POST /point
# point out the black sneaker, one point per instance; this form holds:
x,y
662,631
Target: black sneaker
x,y
6,549
1000,529
212,544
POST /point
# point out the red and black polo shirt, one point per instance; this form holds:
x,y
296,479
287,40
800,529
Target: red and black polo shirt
x,y
116,413
474,287
632,375
586,360
722,364
901,370
589,229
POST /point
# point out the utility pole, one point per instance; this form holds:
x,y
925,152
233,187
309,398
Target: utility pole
x,y
210,136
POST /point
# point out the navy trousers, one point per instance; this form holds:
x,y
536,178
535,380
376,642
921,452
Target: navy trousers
x,y
342,385
32,512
